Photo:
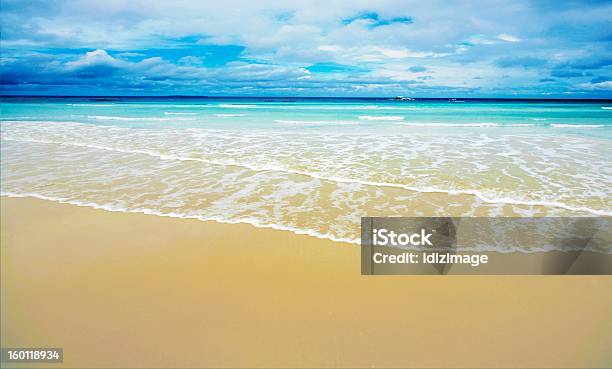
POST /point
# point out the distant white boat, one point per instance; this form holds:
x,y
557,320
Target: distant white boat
x,y
402,98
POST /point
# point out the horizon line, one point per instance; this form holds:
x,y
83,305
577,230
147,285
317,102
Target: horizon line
x,y
310,97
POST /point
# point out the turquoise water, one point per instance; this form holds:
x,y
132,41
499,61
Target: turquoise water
x,y
337,115
312,166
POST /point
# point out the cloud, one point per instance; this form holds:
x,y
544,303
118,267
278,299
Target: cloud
x,y
191,60
95,64
332,48
99,67
520,62
603,86
373,20
600,79
417,69
562,73
491,40
352,47
333,68
372,54
590,62
508,38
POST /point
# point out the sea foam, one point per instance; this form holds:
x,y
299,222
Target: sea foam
x,y
127,119
381,117
314,122
577,125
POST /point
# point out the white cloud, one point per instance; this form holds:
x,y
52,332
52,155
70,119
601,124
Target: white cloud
x,y
191,60
375,54
508,38
332,48
605,86
96,57
458,43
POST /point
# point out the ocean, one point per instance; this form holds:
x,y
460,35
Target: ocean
x,y
308,165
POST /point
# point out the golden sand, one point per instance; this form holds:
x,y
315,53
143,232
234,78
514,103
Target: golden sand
x,y
132,290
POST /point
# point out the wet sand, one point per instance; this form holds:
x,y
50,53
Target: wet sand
x,y
133,290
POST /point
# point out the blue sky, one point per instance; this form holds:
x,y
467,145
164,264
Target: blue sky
x,y
315,48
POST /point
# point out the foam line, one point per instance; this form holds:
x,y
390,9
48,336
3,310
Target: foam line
x,y
381,117
577,125
256,223
314,122
482,197
484,124
252,221
239,106
108,117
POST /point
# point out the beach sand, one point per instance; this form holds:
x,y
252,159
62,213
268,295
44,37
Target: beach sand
x,y
134,290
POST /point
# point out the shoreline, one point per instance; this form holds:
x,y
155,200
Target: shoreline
x,y
130,290
295,231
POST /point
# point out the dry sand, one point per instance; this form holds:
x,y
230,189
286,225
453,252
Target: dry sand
x,y
132,290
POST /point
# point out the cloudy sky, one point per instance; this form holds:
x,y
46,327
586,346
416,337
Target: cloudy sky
x,y
315,48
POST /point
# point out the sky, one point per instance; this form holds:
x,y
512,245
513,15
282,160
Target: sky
x,y
353,48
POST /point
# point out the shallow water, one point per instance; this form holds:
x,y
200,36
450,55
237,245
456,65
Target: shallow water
x,y
312,166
